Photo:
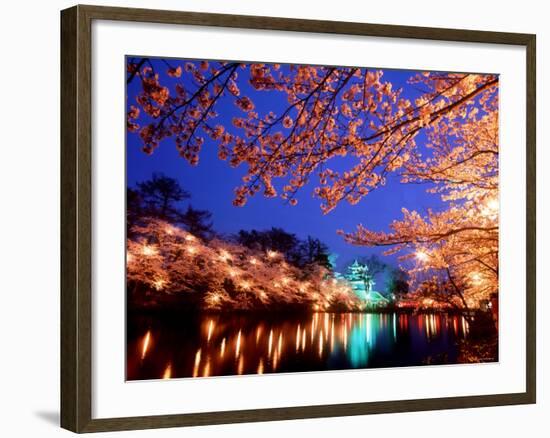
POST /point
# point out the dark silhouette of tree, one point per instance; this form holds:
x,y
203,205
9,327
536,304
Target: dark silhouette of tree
x,y
134,207
160,198
197,222
375,265
300,253
161,195
275,239
398,281
315,252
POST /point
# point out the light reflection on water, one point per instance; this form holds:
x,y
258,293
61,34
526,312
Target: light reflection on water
x,y
226,344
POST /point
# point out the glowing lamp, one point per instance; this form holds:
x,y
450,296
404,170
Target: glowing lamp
x,y
422,256
224,256
476,278
158,284
492,205
148,250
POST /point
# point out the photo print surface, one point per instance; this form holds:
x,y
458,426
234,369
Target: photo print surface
x,y
296,218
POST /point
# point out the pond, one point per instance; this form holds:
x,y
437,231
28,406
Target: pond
x,y
232,344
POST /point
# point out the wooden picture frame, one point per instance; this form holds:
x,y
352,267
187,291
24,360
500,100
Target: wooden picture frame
x,y
76,222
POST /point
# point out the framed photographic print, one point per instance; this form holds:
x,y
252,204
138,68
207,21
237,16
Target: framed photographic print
x,y
267,218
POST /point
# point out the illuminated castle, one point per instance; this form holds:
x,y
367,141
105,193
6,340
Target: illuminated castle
x,y
362,283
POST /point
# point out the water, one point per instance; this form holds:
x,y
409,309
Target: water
x,y
216,345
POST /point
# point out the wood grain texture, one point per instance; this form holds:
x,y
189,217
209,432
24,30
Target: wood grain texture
x,y
69,327
76,223
531,220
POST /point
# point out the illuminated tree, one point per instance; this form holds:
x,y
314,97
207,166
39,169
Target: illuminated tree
x,y
461,242
166,260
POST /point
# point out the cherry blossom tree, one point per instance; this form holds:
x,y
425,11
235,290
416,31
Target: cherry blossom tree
x,y
165,259
461,242
353,116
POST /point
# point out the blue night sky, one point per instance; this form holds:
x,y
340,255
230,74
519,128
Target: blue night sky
x,y
212,182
